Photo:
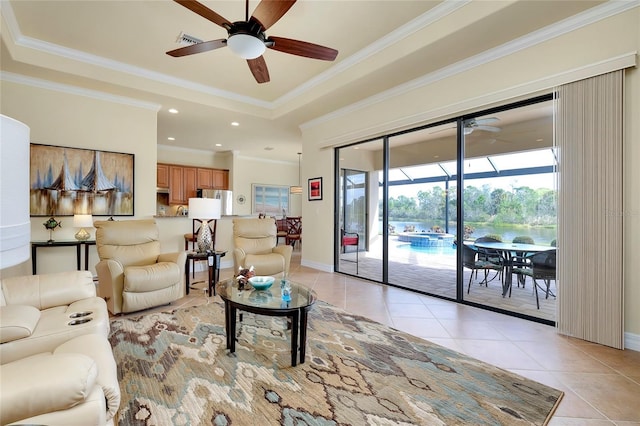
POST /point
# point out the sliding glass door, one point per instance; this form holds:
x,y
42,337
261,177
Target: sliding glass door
x,y
400,197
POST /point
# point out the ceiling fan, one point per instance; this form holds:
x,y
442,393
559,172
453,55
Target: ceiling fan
x,y
247,38
480,124
475,124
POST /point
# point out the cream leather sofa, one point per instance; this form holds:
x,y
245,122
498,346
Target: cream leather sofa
x,y
255,245
56,364
132,273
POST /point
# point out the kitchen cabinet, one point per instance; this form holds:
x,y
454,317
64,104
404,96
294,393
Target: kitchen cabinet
x,y
220,179
176,185
205,178
162,176
183,181
190,177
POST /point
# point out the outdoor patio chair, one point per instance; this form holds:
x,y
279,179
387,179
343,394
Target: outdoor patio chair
x,y
471,260
520,259
542,267
350,239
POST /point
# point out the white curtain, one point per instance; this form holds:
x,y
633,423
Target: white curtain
x,y
589,140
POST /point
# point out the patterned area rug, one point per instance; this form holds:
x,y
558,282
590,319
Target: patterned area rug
x,y
174,369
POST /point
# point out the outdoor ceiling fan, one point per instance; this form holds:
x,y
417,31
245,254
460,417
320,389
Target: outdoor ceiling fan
x,y
247,38
480,124
476,124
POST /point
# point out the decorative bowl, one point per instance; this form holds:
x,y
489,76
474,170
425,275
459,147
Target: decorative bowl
x,y
261,283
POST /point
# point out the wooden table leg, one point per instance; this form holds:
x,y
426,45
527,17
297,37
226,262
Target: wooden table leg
x,y
295,326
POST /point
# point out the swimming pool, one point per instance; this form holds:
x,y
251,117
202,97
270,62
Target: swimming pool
x,y
447,249
426,239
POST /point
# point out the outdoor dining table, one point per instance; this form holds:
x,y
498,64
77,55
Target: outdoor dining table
x,y
508,251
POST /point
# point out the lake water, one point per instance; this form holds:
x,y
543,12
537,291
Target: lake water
x,y
542,236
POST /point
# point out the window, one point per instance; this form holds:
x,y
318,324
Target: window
x,y
271,200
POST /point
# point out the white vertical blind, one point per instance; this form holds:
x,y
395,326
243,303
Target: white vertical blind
x,y
589,137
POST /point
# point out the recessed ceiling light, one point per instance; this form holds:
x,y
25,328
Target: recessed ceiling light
x,y
539,140
235,123
218,144
171,138
173,110
356,147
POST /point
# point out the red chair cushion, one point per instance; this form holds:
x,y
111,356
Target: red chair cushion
x,y
349,241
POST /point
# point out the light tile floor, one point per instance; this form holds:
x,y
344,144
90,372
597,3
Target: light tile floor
x,y
601,384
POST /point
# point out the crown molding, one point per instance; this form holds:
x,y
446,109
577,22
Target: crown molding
x,y
74,90
436,13
565,26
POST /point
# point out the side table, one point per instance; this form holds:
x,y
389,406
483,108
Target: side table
x,y
213,260
70,243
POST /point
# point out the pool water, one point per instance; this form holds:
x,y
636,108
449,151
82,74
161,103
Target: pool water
x,y
447,249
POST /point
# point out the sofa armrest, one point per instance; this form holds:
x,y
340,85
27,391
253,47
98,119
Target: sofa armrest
x,y
285,251
179,258
98,348
48,290
17,322
44,383
239,256
110,283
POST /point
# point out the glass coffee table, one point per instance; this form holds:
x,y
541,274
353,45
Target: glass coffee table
x,y
268,302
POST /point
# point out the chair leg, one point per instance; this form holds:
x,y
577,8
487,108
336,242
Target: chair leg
x,y
535,286
471,278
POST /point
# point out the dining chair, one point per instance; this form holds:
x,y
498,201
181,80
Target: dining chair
x,y
471,260
350,239
520,258
489,255
294,230
281,225
542,267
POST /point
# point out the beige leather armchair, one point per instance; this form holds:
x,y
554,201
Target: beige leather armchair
x,y
132,273
56,364
255,245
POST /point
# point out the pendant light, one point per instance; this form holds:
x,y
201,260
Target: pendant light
x,y
297,189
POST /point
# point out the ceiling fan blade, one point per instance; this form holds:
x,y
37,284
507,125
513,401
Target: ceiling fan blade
x,y
259,69
487,120
205,12
302,48
488,128
198,48
269,12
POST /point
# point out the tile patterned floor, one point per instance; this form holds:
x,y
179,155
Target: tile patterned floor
x,y
601,384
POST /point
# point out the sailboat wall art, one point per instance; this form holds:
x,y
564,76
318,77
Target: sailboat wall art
x,y
67,181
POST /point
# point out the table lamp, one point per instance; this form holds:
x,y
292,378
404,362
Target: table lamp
x,y
15,223
81,221
204,209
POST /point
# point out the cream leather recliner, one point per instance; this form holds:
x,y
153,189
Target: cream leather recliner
x,y
132,273
255,245
57,366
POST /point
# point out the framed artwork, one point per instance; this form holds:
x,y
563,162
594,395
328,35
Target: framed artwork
x,y
66,181
315,189
271,200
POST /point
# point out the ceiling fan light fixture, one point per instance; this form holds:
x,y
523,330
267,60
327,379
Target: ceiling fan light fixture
x,y
246,46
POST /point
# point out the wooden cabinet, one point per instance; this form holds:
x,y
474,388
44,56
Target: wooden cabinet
x,y
183,182
162,176
190,177
205,178
176,185
220,179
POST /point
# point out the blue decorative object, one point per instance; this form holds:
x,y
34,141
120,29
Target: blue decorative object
x,y
261,283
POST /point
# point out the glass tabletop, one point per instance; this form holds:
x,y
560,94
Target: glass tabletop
x,y
270,299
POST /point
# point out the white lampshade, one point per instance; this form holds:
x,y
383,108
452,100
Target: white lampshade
x,y
15,223
205,208
246,46
82,221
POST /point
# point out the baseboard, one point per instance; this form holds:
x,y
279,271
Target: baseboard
x,y
632,341
315,265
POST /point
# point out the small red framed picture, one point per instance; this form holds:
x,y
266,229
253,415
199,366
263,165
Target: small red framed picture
x,y
315,189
